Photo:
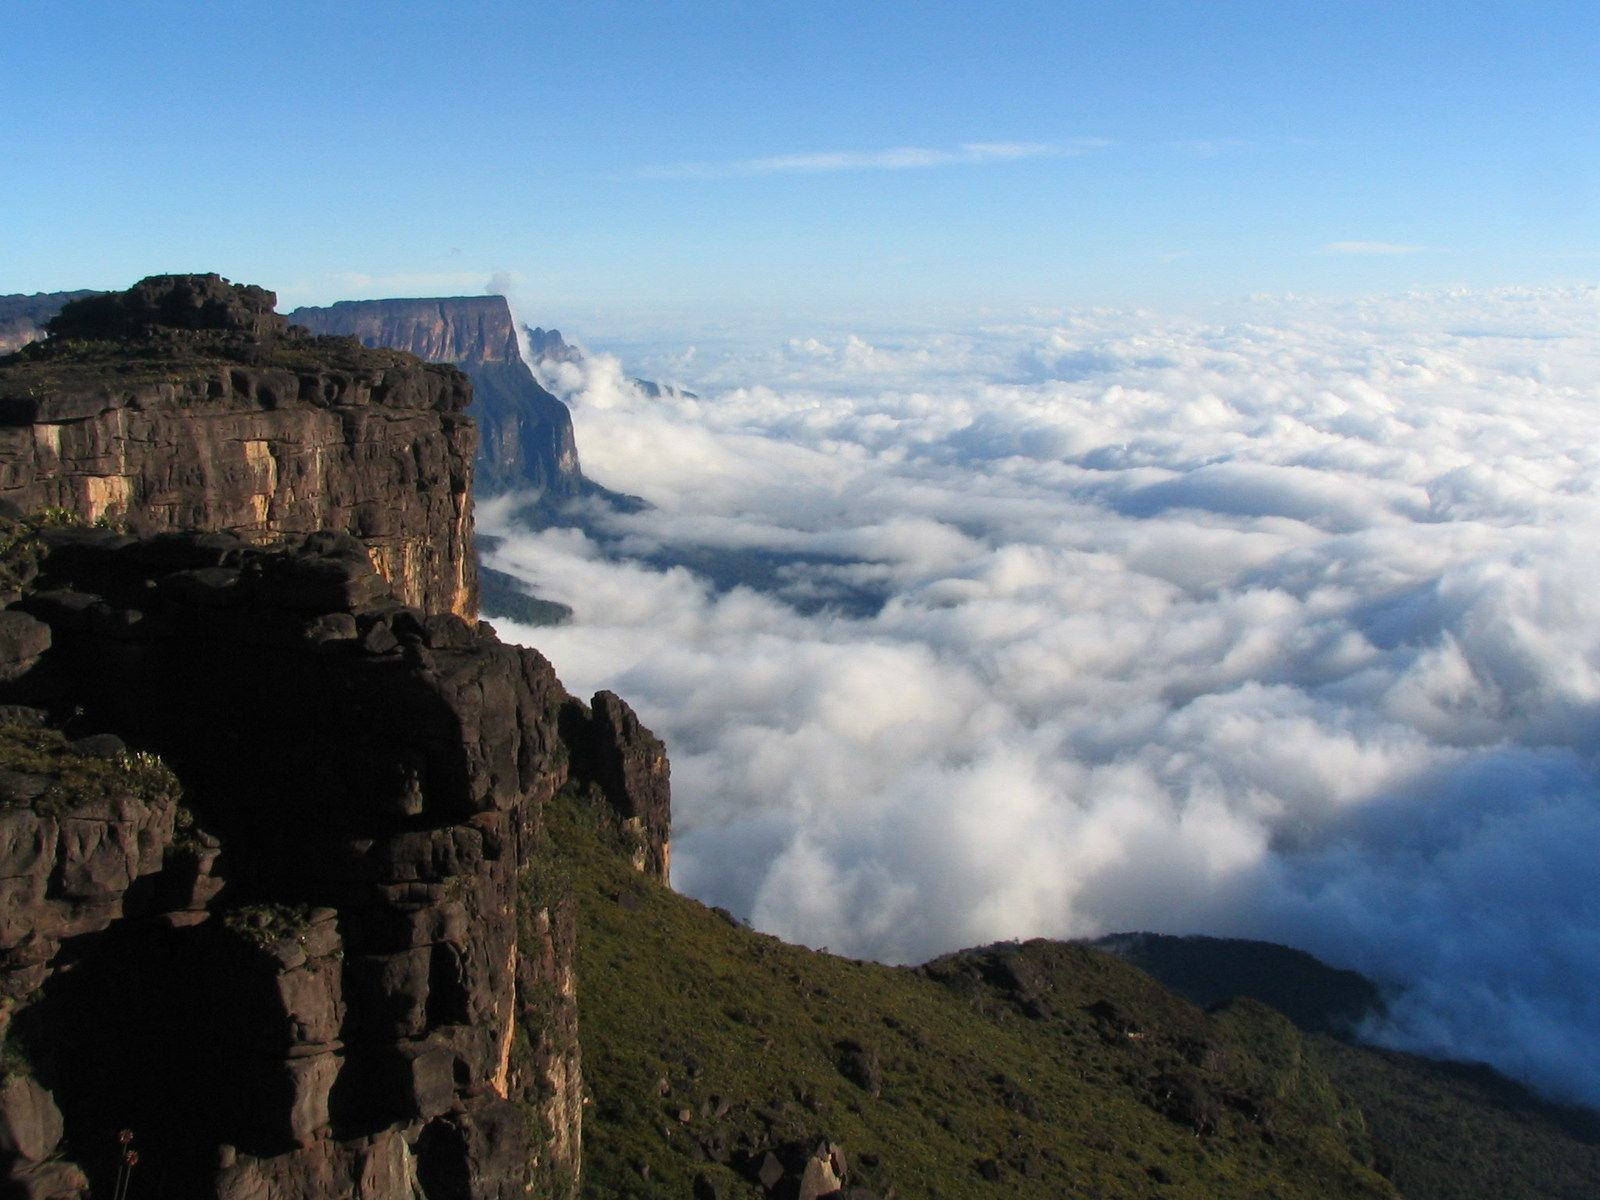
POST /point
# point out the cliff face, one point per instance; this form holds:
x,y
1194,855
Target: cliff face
x,y
188,406
275,882
351,975
526,437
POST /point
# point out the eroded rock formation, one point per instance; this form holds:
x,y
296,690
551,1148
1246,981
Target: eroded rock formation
x,y
339,966
186,403
23,317
351,976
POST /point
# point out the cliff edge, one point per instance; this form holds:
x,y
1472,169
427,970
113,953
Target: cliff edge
x,y
277,912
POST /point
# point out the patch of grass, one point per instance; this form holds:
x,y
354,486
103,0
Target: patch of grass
x,y
999,1073
265,925
1456,1131
79,779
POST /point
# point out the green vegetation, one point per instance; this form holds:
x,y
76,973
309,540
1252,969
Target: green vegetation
x,y
1041,1070
15,1061
265,925
76,779
1443,1131
21,547
1455,1131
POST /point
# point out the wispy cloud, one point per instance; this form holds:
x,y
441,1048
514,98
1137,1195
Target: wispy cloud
x,y
898,158
1209,147
1373,248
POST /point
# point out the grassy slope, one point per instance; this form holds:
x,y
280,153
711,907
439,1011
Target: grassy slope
x,y
1446,1131
1060,1103
1454,1131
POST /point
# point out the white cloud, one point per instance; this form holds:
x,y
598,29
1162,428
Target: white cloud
x,y
1282,624
1373,248
898,158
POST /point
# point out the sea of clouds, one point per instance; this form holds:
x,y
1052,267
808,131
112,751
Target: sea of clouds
x,y
1282,623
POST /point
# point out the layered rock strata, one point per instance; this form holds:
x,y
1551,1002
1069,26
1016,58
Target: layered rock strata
x,y
187,403
350,976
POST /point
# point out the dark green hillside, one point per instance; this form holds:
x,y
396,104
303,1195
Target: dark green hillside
x,y
1443,1130
1041,1070
1207,970
1458,1131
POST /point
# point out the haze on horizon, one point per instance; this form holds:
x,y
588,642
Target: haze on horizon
x,y
1202,394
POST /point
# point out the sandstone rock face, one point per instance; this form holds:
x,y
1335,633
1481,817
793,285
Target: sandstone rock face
x,y
182,404
526,440
350,977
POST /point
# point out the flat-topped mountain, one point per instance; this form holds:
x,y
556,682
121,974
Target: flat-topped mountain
x,y
187,403
526,441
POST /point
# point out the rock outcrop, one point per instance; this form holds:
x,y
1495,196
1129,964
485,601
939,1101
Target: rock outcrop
x,y
349,976
526,440
186,403
340,965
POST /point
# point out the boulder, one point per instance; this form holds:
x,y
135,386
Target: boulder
x,y
30,1122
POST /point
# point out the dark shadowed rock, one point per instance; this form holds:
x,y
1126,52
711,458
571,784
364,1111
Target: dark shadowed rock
x,y
628,763
23,317
859,1064
369,782
189,302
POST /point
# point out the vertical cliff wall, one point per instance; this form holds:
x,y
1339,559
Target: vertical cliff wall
x,y
186,404
526,440
352,973
339,965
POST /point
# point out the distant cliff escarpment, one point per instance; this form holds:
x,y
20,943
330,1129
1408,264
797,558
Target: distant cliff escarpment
x,y
187,403
526,441
23,318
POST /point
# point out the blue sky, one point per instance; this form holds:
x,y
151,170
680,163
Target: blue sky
x,y
710,160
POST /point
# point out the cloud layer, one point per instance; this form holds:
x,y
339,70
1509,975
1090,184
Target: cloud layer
x,y
1283,625
897,158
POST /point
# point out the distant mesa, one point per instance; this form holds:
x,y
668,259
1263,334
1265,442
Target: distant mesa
x,y
525,433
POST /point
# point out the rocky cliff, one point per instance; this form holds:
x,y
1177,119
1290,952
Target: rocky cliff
x,y
338,968
277,914
186,403
526,440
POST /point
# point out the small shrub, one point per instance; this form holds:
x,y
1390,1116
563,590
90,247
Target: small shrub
x,y
265,925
